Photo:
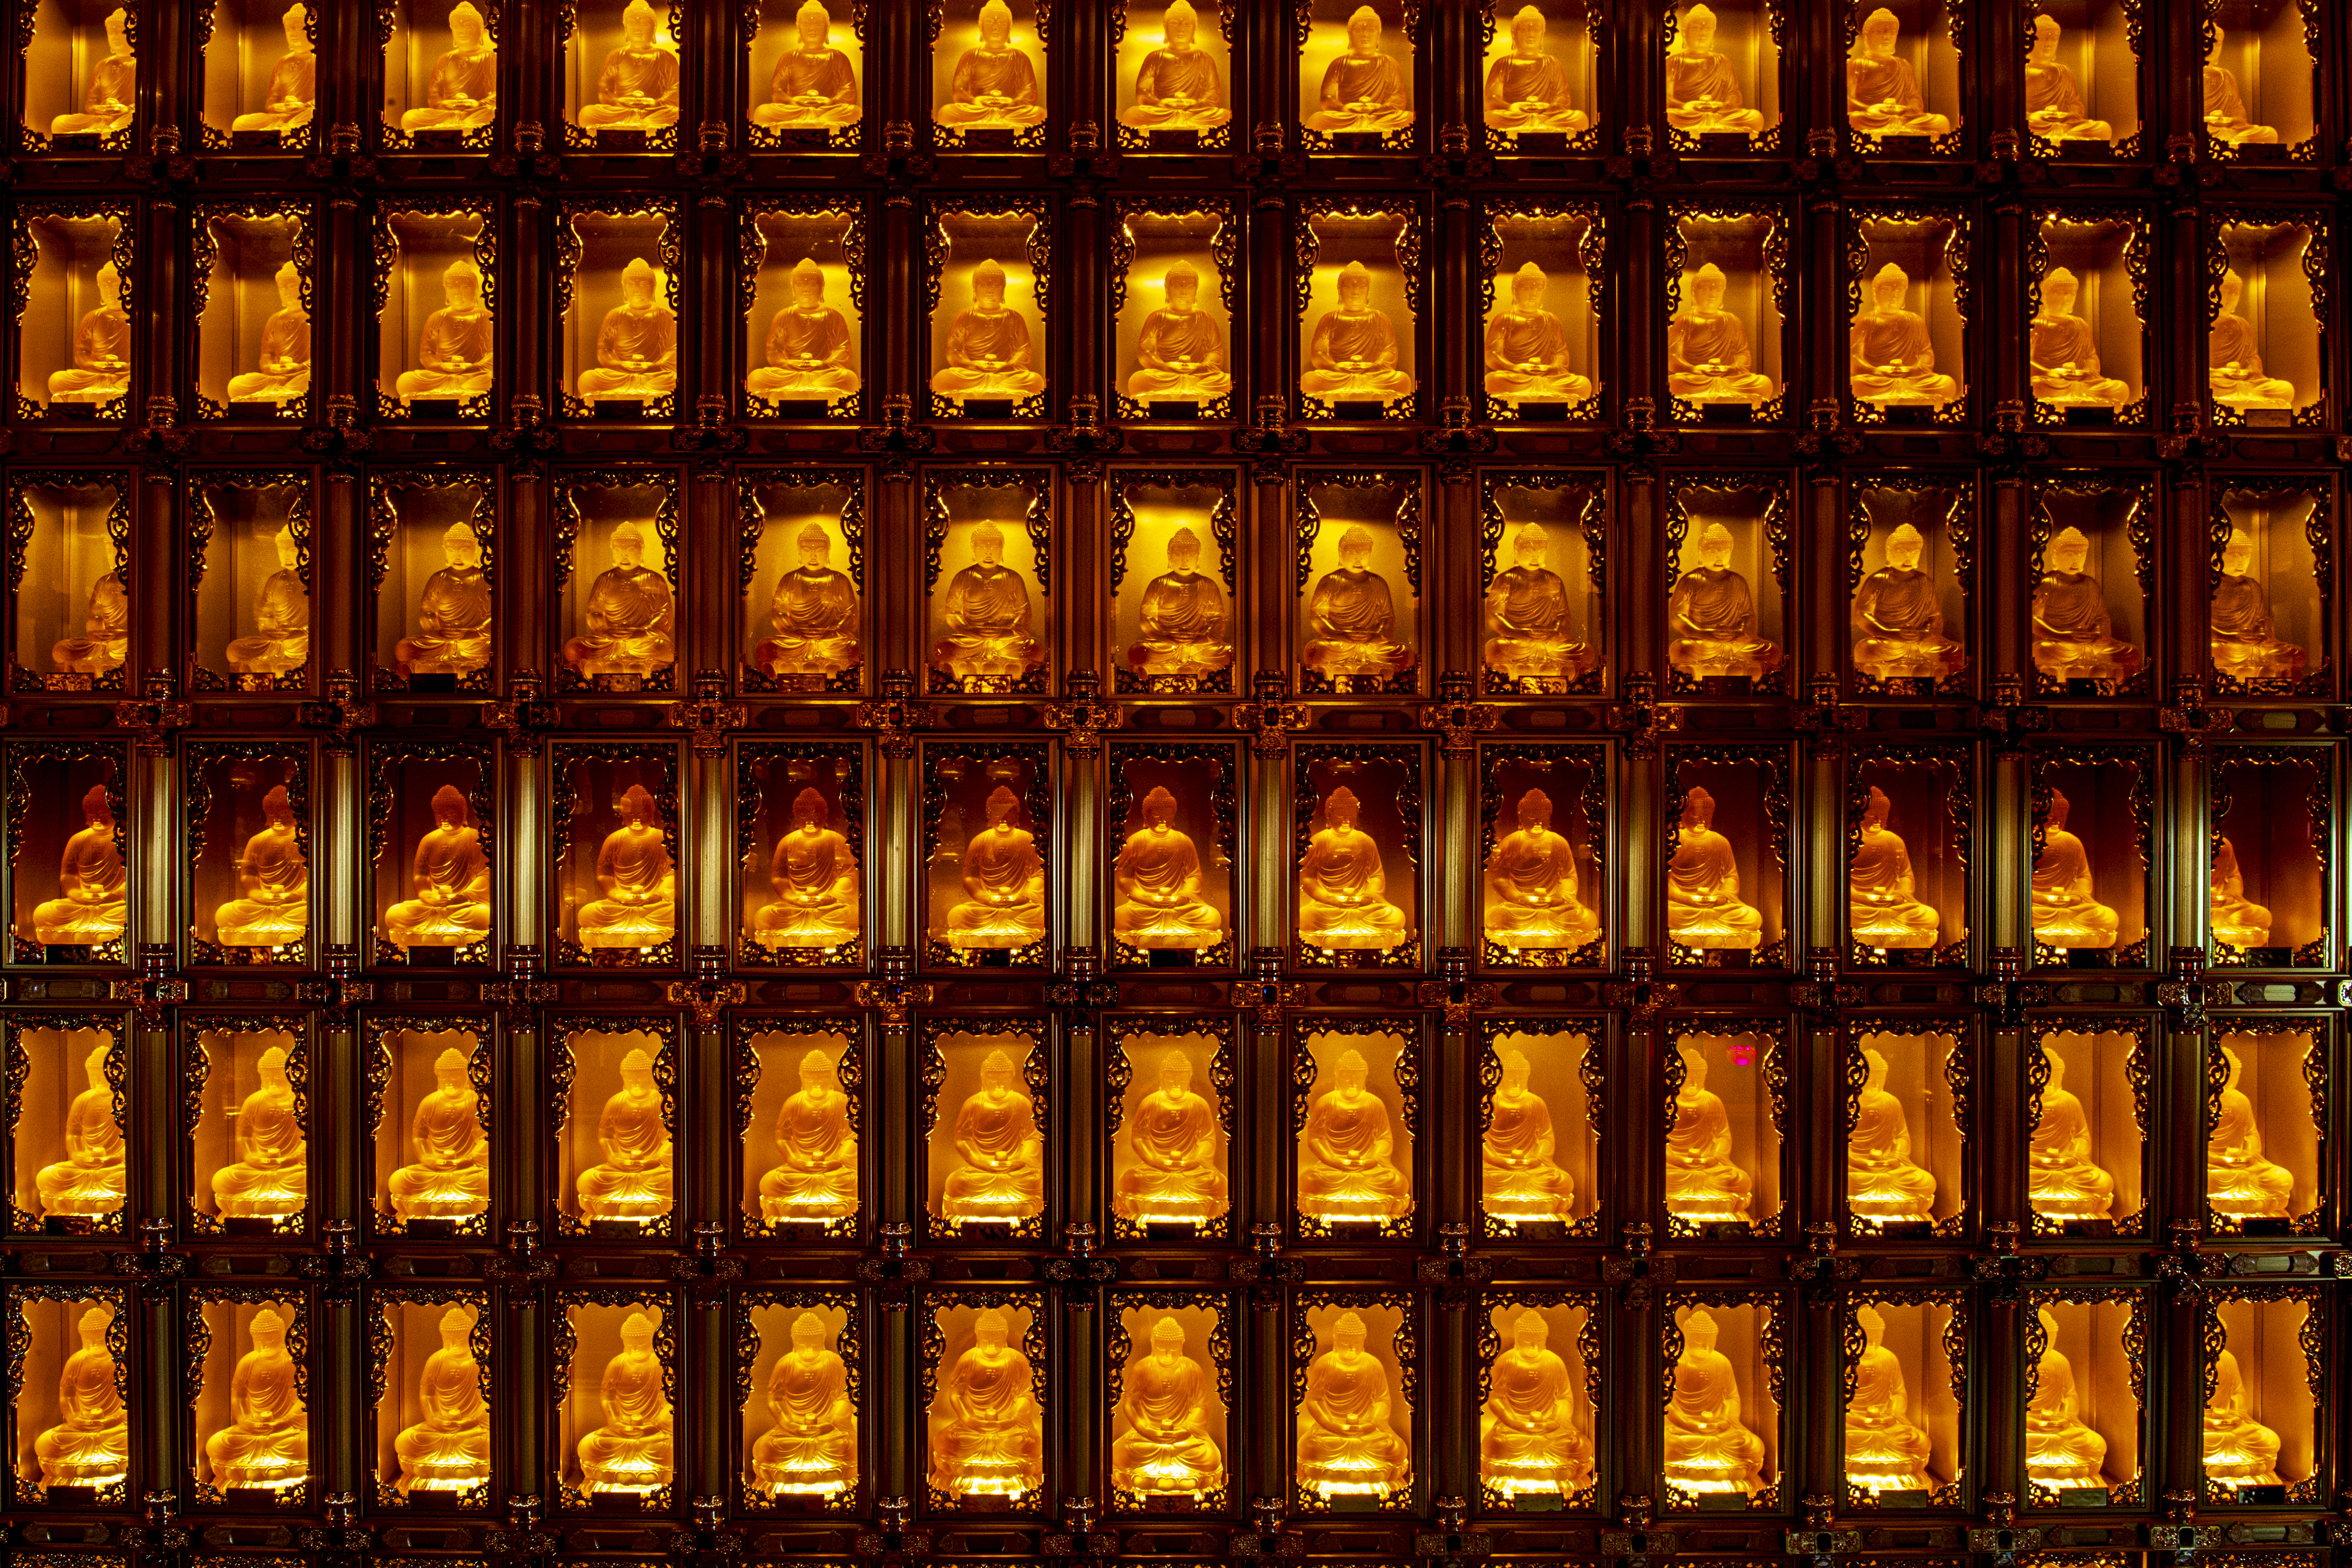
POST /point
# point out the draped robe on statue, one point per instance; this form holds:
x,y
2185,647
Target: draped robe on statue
x,y
1355,80
285,366
1883,1451
289,99
102,359
2064,913
639,882
2246,641
1157,881
1167,1448
105,641
453,623
1527,1433
988,623
1517,338
808,357
1881,338
629,73
274,882
1344,1435
451,1177
2225,109
1528,627
1172,1135
1883,99
463,92
2053,105
90,1445
2065,368
2060,1451
2233,357
1699,338
452,906
811,87
270,1176
632,622
1518,1176
1354,355
454,332
1882,1182
1003,1172
1182,623
818,1177
106,102
1178,92
2233,917
1352,621
997,337
813,623
1008,907
813,1444
1899,627
632,1450
1708,1447
1703,907
1883,909
92,1178
2063,1181
281,639
1341,893
449,1450
1705,78
2239,1181
1531,893
1529,92
637,355
2073,637
96,907
268,1441
816,903
1190,336
635,1180
1004,77
991,1433
1702,1181
1348,1169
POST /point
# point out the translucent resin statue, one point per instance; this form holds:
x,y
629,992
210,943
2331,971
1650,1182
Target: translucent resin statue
x,y
813,620
1003,1173
2233,356
1703,94
818,1176
2065,915
815,876
1179,353
292,93
1882,92
2238,1183
2246,641
1352,358
1346,1444
1898,623
1707,356
1518,1176
271,1176
101,347
1177,88
1528,1437
1529,634
266,1446
1526,350
1890,357
988,1435
451,880
1531,891
1708,1447
1342,890
639,880
2062,1181
2073,636
988,351
1703,1185
1351,619
1166,1450
1883,908
93,905
631,1451
2053,99
1703,907
632,618
811,356
463,92
2061,1452
637,346
1347,1155
812,1450
453,613
1363,91
1172,1133
90,1443
994,86
1183,624
1156,883
2065,352
93,1177
274,882
280,639
453,353
451,1177
283,372
2226,122
1883,1451
2235,919
449,1449
105,641
112,88
1882,1183
814,86
634,1182
1526,90
987,615
2237,1449
638,89
1005,878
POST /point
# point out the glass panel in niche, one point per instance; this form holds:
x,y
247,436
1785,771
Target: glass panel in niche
x,y
1907,819
1356,828
2082,76
1170,1378
1355,73
426,811
1906,347
1539,84
1359,319
430,537
1539,1146
1359,586
616,1417
2085,1157
253,326
2259,78
799,1431
2093,566
1172,573
63,813
68,559
252,1420
2269,878
1904,1140
1546,634
1355,1147
616,845
1174,815
988,75
1729,540
251,1134
804,1117
1536,1423
988,333
432,1139
68,1170
251,566
2084,342
433,327
2268,635
260,74
1903,1417
1723,275
74,348
72,1424
1910,598
985,1142
1542,322
804,313
251,887
2083,1398
1723,1143
81,74
1173,354
433,1423
620,611
1172,63
1355,1411
809,907
1902,74
2265,353
440,74
615,1160
991,611
1723,75
621,77
2090,867
984,1422
989,819
803,76
1170,1153
2263,1136
804,604
1543,896
1723,1406
624,269
2260,1429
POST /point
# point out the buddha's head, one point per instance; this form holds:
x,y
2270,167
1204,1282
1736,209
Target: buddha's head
x,y
109,287
637,25
1527,31
117,31
290,286
2070,549
635,805
1874,1068
2056,819
1698,809
1167,1338
2213,50
816,1071
2228,1384
1705,289
637,284
1002,806
1349,1073
93,1066
1158,807
807,283
2238,554
1903,547
1878,32
815,546
628,544
809,1332
1183,287
1516,1068
298,28
1356,549
2049,1321
2059,289
2225,862
1888,285
1348,1336
1531,544
1340,808
637,1073
1179,23
1530,1332
1535,809
1355,286
990,1329
637,1334
287,552
92,1326
268,1330
810,813
1175,1072
996,24
1528,285
2057,1064
450,1068
457,1329
277,808
449,809
1872,1323
461,547
1873,810
2232,286
1363,30
1697,28
96,811
2045,40
1699,1334
1183,551
988,544
1694,1062
466,29
813,23
461,283
2233,1068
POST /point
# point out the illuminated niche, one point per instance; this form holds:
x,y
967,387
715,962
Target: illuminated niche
x,y
1356,830
1172,1129
247,1373
2086,1154
1908,293
1358,67
618,293
431,1354
2093,572
616,577
73,1423
1173,64
1727,296
1173,297
803,1111
988,75
68,1163
1358,611
1904,1371
440,74
1911,569
803,570
2268,885
1538,79
2265,337
249,562
2091,812
801,823
1172,582
1906,1132
622,74
985,1124
805,75
255,282
615,813
1539,1373
1546,632
1727,858
1170,1357
616,1114
1908,815
1539,1134
990,341
70,581
82,75
2258,1439
76,349
983,1393
1543,896
1355,1105
2259,80
430,1110
2264,1118
1358,298
1722,74
1724,1366
1723,1132
2085,1381
800,1420
1173,817
433,567
2085,342
1727,553
988,827
249,1131
67,842
1902,95
250,886
1354,1401
260,67
2268,635
2081,78
616,1384
1540,351
436,290
988,563
803,290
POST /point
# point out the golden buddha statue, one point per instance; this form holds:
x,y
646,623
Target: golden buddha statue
x,y
453,353
2244,639
1707,356
1519,1178
1890,357
270,1178
451,877
1364,91
1703,907
1180,352
292,94
818,903
994,86
266,1446
1342,890
988,1435
1172,1133
1882,907
280,640
639,880
449,1449
93,907
1884,1452
1703,94
988,351
812,1450
987,613
2065,350
1709,1449
630,614
1347,1153
1351,619
1347,1443
1166,1450
451,1177
453,614
2065,915
102,346
90,1443
283,373
1703,1183
1352,358
818,1177
637,345
273,880
105,641
2073,636
2238,1183
1002,1176
1528,1440
1182,625
1882,1183
1005,878
2062,1181
2234,358
812,618
811,357
1156,883
1526,90
113,87
2053,99
1178,86
2225,109
1882,92
1526,349
2237,1450
635,1180
1528,636
814,86
1530,885
2061,1452
463,92
2236,921
93,1179
631,1453
638,89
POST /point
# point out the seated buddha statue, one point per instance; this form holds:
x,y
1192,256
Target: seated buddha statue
x,y
2061,1452
1882,1183
989,635
453,352
1156,883
270,1177
2239,1183
2062,1181
1890,357
2244,639
1172,1133
1703,1183
632,1451
1529,634
108,98
2235,919
635,1180
1178,86
637,345
1342,892
266,1446
638,880
630,614
1183,626
1703,94
1166,1450
1899,622
1352,630
1352,357
273,883
1528,1440
283,372
2053,99
105,641
93,905
463,92
988,1435
93,1178
1179,352
454,612
1531,894
812,1450
1348,1445
1527,89
1707,356
1882,92
1703,907
815,872
280,639
1003,1173
811,356
1708,1447
1884,1452
2065,915
638,89
814,86
2234,358
2073,636
292,94
2225,106
1347,1153
90,1443
451,1177
2237,1450
1364,91
1882,907
2064,351
994,86
812,618
448,1448
102,346
1005,878
817,1178
988,351
1526,348
1519,1177
451,880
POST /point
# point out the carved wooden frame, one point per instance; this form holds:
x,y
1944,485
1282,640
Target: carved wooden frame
x,y
381,1343
563,1349
195,1076
2136,36
2319,798
1772,763
2140,530
563,1073
931,1349
1391,143
1589,1349
1592,1070
750,793
1959,1079
1956,249
296,1302
16,802
1959,827
1777,548
384,760
1037,807
2143,762
1592,527
1223,527
1953,142
1404,1028
2318,1055
21,526
1772,1059
1118,1355
1958,525
1306,522
33,140
384,240
2139,1071
391,137
199,761
1213,139
1585,142
1777,267
384,528
1593,256
761,138
202,524
751,252
2303,151
1119,1069
1592,804
14,1024
2139,1303
2319,531
24,1493
1853,1342
743,1354
564,764
1038,249
1404,1346
2314,1341
375,1054
571,250
1772,1345
1305,245
749,514
1026,138
1224,248
2136,258
1411,758
578,138
570,523
24,253
206,251
744,1082
1037,522
1036,1077
1226,773
2315,267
